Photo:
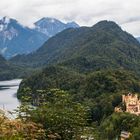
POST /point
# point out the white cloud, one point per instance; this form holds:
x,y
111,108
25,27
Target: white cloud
x,y
85,12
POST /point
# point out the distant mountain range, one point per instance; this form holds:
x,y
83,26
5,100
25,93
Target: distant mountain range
x,y
52,26
105,45
18,39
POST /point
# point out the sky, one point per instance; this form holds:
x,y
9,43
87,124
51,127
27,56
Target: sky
x,y
85,12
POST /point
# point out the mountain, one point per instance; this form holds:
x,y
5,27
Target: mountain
x,y
138,38
52,26
88,65
105,45
18,39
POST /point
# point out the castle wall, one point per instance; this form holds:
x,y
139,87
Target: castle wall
x,y
132,103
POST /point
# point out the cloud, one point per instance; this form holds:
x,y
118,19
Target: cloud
x,y
84,12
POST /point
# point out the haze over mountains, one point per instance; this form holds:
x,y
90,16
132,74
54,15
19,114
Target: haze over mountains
x,y
18,39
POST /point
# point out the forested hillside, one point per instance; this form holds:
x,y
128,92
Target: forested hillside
x,y
99,92
10,71
105,45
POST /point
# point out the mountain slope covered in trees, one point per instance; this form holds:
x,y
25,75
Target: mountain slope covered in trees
x,y
105,45
5,69
11,71
98,92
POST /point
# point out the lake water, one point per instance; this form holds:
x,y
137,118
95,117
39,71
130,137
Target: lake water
x,y
8,90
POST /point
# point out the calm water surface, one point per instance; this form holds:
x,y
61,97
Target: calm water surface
x,y
8,90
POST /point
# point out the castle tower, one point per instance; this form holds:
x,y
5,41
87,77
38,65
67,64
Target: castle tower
x,y
132,103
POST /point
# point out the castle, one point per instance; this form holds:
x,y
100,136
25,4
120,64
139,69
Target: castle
x,y
132,103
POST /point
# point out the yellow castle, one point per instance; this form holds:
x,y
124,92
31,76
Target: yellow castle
x,y
132,103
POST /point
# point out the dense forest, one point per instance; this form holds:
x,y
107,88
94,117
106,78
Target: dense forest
x,y
98,93
11,71
84,73
85,49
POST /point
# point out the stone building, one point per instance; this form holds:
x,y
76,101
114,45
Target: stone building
x,y
132,103
125,135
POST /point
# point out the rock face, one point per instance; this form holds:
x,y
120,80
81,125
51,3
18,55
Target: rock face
x,y
17,39
52,26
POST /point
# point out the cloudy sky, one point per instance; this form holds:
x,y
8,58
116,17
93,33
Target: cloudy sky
x,y
85,12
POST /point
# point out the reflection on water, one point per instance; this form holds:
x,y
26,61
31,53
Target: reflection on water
x,y
8,90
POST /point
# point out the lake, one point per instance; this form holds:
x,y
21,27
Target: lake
x,y
8,90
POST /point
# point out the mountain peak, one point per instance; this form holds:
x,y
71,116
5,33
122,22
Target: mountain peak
x,y
51,26
73,24
5,20
105,24
12,36
46,20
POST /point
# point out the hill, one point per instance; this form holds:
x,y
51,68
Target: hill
x,y
9,71
52,77
105,45
5,69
